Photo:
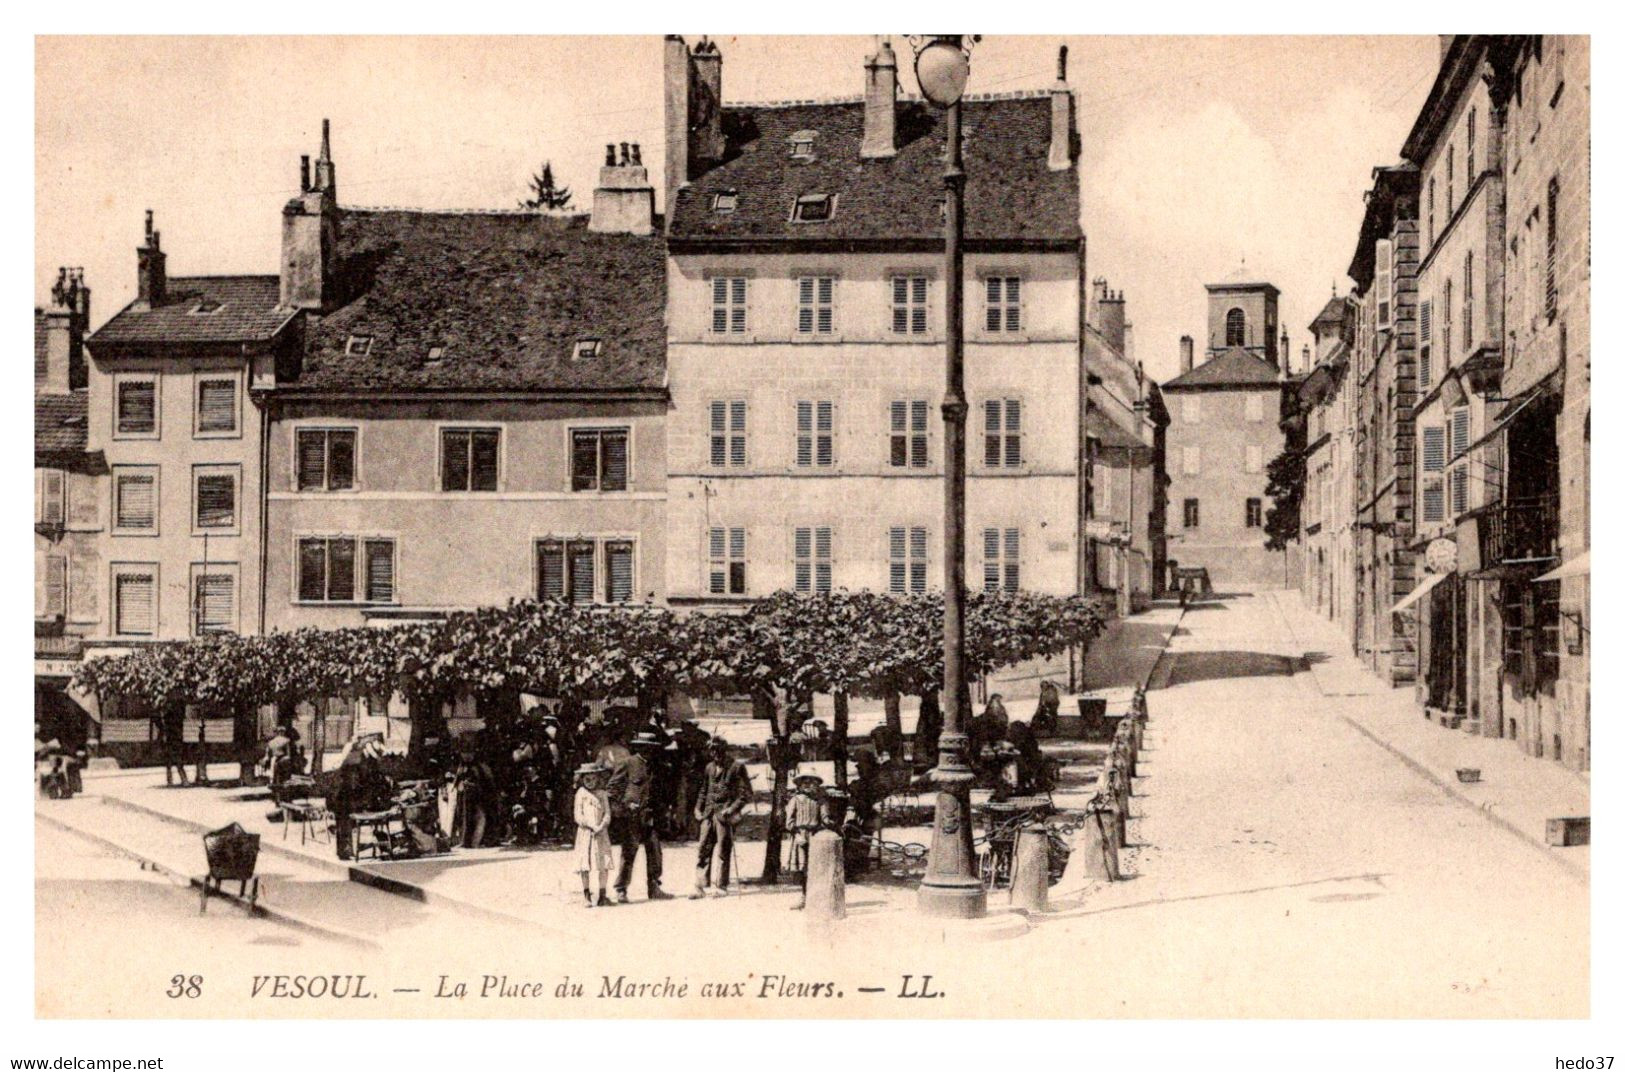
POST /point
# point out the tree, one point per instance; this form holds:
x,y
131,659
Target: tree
x,y
1287,473
546,195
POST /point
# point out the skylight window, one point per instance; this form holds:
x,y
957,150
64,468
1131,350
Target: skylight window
x,y
436,353
358,346
813,208
586,349
801,144
207,306
724,201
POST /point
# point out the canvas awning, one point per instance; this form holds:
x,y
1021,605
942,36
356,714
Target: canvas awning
x,y
1578,566
1418,592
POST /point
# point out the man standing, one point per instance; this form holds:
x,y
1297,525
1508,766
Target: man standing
x,y
634,803
724,793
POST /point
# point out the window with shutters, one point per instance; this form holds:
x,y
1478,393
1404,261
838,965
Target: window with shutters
x,y
1431,202
1467,302
135,408
815,305
1002,433
728,434
1424,329
620,574
1190,409
135,600
906,547
1460,436
216,413
908,304
910,434
815,435
470,458
1551,249
1449,320
325,459
583,569
346,569
599,459
1190,461
1385,283
1255,408
214,601
135,499
1193,513
813,556
1255,513
1001,559
728,305
1450,182
50,496
378,566
726,557
1433,462
1235,328
214,498
54,603
1003,307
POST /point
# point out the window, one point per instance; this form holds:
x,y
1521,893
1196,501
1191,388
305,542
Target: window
x,y
1102,488
378,584
1235,328
49,488
135,499
598,459
137,408
1467,302
1190,460
1431,201
727,559
801,144
1433,457
1385,283
216,407
1255,408
437,354
815,434
619,571
214,603
728,294
813,559
1460,435
1002,446
568,570
1193,513
907,549
326,459
1255,458
1472,142
1551,249
358,345
728,434
1424,321
135,595
346,569
586,349
908,294
469,458
1255,513
1190,408
1449,315
1003,303
910,437
214,497
815,310
813,208
1001,560
724,201
52,595
1450,182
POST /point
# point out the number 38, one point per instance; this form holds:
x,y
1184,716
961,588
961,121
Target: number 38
x,y
185,986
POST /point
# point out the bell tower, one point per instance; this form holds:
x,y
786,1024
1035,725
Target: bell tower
x,y
1242,313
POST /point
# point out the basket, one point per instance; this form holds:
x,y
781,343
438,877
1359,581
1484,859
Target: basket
x,y
1468,775
232,853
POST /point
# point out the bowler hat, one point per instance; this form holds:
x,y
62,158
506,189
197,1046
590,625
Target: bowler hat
x,y
808,776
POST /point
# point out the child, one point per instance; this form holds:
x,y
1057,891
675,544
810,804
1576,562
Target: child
x,y
805,817
592,830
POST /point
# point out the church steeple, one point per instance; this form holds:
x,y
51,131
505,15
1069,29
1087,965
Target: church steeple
x,y
1242,313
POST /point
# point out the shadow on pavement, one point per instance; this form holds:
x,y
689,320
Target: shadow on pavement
x,y
1193,666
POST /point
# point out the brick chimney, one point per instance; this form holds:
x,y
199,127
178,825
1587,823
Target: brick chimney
x,y
880,103
705,105
151,281
1286,353
310,234
1109,314
624,200
1062,134
675,76
693,96
1187,354
66,322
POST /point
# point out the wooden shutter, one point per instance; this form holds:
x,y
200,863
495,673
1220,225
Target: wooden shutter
x,y
215,602
1424,320
380,566
1012,560
341,570
736,425
56,586
133,598
217,406
995,299
583,460
1385,284
582,555
992,451
826,304
899,434
918,412
823,559
454,450
990,560
137,501
719,305
718,540
137,407
897,556
1551,248
801,555
917,289
53,483
312,460
550,569
614,445
216,501
719,434
805,314
618,562
313,570
916,565
825,428
736,561
804,433
340,459
899,304
486,446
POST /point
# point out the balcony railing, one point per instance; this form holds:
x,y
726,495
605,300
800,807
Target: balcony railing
x,y
1519,530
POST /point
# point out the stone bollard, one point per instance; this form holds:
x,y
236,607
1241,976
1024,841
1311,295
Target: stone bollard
x,y
1098,847
826,878
1029,877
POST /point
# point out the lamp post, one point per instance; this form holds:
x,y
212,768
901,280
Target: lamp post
x,y
951,887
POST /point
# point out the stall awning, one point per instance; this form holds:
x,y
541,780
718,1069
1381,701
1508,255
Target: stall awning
x,y
1578,566
1418,592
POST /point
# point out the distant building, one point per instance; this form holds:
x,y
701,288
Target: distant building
x,y
1326,397
1224,429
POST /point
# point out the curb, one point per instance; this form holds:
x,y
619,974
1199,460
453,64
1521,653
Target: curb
x,y
1582,873
257,909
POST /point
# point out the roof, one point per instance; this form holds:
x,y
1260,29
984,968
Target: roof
x,y
1011,195
60,421
1457,68
506,296
1242,279
1393,192
1235,367
1335,312
248,312
1109,433
41,337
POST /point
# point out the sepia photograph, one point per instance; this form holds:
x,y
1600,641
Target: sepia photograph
x,y
707,526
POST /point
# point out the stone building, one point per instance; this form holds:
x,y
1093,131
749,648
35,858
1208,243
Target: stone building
x,y
1224,429
805,339
1326,402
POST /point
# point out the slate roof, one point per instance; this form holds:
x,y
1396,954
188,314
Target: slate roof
x,y
1011,194
1109,433
248,312
61,432
506,295
1334,313
1235,367
41,335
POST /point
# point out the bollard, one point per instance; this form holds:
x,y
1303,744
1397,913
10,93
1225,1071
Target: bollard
x,y
826,877
1098,849
1029,876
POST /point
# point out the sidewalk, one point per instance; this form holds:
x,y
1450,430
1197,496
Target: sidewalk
x,y
1517,792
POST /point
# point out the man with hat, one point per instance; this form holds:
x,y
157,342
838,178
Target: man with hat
x,y
724,794
634,803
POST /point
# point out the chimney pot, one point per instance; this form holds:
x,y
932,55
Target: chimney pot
x,y
304,173
1060,64
1187,353
1061,119
880,103
151,282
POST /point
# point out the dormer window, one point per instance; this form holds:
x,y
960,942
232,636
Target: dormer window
x,y
813,208
801,144
358,345
436,355
207,306
724,201
586,349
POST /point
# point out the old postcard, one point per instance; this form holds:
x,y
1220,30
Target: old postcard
x,y
950,526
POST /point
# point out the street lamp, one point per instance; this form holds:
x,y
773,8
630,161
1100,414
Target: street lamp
x,y
951,887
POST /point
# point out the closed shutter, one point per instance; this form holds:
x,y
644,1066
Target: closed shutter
x,y
340,459
719,305
990,560
917,445
56,586
1012,433
137,502
618,561
995,300
1460,430
52,483
1433,449
137,408
801,553
804,433
583,461
899,306
454,460
1012,560
615,461
313,570
917,310
804,315
736,425
216,501
216,602
719,434
897,553
736,561
899,434
484,465
995,426
1012,303
312,460
341,570
1551,248
217,406
916,565
380,564
1424,320
826,304
826,434
1385,284
550,570
823,560
581,554
718,546
736,311
133,598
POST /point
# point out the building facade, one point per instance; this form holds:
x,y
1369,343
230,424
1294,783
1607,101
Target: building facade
x,y
1326,403
805,330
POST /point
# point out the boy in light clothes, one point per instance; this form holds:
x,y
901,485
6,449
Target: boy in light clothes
x,y
592,847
